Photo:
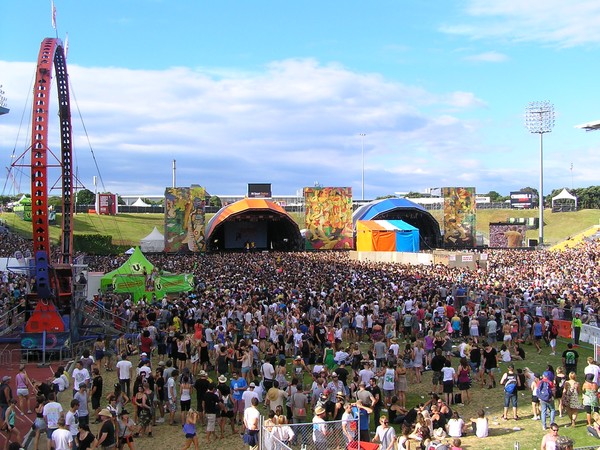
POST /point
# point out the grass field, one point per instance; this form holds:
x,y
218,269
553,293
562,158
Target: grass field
x,y
128,229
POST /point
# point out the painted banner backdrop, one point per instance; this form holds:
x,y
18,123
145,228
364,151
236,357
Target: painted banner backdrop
x,y
184,219
507,235
328,218
459,216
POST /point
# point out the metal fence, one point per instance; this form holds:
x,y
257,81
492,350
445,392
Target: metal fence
x,y
332,434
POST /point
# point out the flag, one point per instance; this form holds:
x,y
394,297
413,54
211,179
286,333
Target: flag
x,y
66,45
53,15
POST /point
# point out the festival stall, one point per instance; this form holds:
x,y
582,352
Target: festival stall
x,y
386,236
138,277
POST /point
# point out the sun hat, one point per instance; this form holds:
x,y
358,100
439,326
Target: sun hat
x,y
340,394
319,410
5,378
203,373
105,413
222,379
252,385
161,363
439,433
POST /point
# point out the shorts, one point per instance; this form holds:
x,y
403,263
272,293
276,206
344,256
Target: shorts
x,y
510,399
23,392
95,402
535,400
185,405
49,432
388,392
590,409
448,387
436,378
126,440
190,435
211,419
182,356
507,337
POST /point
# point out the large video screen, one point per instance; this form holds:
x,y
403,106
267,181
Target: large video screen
x,y
240,234
328,218
259,190
507,235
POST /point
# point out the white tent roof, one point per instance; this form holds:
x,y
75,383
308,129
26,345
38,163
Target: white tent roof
x,y
564,195
140,202
154,242
154,235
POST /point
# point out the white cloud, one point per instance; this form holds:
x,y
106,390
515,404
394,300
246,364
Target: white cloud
x,y
295,122
491,57
553,22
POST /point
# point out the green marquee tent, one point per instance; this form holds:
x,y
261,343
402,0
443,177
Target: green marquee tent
x,y
139,277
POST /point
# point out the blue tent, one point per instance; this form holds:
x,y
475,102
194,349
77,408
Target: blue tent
x,y
386,236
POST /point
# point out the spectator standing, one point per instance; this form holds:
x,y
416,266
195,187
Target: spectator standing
x,y
511,383
125,369
570,357
549,439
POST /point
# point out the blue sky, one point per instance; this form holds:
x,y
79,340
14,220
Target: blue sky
x,y
273,91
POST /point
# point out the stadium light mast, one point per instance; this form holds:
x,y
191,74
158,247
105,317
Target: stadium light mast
x,y
362,149
539,119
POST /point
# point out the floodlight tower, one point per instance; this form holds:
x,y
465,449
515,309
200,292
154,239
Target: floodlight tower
x,y
539,119
362,149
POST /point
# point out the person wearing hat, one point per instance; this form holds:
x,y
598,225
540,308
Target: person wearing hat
x,y
564,443
201,386
249,394
320,431
106,434
126,428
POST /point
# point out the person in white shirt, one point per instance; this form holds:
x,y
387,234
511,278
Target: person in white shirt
x,y
249,394
52,412
61,437
72,419
125,369
172,395
80,375
456,426
481,425
268,373
592,368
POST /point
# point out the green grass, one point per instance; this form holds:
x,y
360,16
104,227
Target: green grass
x,y
128,229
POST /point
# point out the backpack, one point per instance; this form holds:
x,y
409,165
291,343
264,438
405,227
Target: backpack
x,y
511,387
544,391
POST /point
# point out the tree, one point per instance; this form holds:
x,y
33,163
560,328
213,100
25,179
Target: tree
x,y
215,201
494,196
86,197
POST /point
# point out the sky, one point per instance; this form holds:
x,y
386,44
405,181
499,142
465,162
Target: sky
x,y
279,92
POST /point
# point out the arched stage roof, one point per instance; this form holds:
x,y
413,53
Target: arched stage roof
x,y
256,219
403,209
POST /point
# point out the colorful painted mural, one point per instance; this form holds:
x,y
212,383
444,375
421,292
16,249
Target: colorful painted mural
x,y
459,216
184,219
328,218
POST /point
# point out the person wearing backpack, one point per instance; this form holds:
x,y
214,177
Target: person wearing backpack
x,y
511,382
546,397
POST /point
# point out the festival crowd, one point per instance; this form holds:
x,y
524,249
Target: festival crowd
x,y
319,339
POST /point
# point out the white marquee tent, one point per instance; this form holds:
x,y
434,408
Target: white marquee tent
x,y
140,202
153,243
565,201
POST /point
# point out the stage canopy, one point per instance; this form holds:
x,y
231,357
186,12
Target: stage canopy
x,y
407,211
138,277
386,236
255,221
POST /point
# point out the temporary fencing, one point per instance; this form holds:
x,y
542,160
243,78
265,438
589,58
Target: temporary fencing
x,y
333,434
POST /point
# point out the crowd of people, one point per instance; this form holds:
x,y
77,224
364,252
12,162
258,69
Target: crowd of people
x,y
300,335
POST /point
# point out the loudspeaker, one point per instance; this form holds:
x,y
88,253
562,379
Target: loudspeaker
x,y
533,242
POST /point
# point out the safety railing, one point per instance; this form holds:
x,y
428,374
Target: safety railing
x,y
11,320
319,435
